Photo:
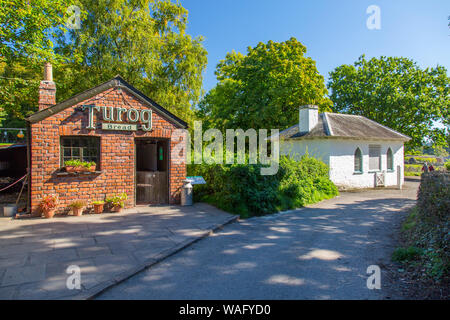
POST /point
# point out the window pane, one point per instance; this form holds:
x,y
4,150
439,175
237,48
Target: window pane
x,y
374,157
81,148
358,160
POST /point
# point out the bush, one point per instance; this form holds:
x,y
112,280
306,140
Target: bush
x,y
428,226
406,254
241,189
447,165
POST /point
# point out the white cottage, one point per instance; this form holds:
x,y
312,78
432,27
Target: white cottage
x,y
361,153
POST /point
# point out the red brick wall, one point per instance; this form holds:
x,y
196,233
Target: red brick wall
x,y
117,155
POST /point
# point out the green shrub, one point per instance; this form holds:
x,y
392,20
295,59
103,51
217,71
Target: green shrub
x,y
412,174
413,167
241,189
406,254
447,165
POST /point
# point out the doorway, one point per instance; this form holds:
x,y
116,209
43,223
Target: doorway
x,y
152,178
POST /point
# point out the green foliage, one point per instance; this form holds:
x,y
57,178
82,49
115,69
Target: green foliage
x,y
77,204
406,254
98,202
395,92
241,189
264,88
145,42
27,29
447,165
117,200
427,227
412,174
413,168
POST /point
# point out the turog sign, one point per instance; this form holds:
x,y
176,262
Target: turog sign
x,y
118,118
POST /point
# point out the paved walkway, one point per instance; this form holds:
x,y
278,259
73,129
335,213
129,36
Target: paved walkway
x,y
35,253
319,252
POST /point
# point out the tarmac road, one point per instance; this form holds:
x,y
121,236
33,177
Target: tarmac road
x,y
319,252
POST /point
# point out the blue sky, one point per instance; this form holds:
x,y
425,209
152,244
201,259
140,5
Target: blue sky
x,y
334,32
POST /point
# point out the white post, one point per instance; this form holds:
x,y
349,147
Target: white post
x,y
399,177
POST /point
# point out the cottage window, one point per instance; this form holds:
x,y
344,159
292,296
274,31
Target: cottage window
x,y
358,160
80,148
374,157
390,160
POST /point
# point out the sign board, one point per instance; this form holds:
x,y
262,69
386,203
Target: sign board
x,y
119,126
196,180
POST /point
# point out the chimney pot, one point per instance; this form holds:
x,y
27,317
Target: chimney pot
x,y
48,72
47,89
308,117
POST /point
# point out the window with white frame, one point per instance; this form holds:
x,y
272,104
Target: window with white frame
x,y
374,157
390,160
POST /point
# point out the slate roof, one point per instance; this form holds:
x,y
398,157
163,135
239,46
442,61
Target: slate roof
x,y
117,82
336,125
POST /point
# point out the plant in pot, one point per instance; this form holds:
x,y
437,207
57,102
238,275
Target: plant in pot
x,y
72,165
48,206
117,201
98,206
77,207
90,166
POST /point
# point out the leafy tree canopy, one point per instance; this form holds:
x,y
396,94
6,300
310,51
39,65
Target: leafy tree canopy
x,y
142,40
395,92
264,88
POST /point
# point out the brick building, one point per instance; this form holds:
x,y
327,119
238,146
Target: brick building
x,y
127,135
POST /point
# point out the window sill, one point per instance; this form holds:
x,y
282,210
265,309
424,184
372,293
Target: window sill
x,y
390,170
85,173
375,171
358,172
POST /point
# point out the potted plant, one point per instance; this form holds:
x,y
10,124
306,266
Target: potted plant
x,y
77,207
72,165
90,166
117,201
98,206
48,206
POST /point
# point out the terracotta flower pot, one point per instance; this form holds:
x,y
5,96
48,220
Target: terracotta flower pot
x,y
116,208
80,169
48,214
77,211
98,208
92,169
70,169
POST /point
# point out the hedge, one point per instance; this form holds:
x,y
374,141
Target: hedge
x,y
433,203
241,189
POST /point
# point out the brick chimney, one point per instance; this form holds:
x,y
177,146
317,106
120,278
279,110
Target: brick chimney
x,y
308,117
47,89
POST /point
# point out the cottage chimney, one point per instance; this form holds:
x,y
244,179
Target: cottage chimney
x,y
47,89
308,117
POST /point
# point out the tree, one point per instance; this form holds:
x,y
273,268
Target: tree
x,y
264,88
142,40
27,32
27,28
397,93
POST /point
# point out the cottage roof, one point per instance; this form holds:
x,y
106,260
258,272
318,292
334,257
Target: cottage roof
x,y
116,82
335,125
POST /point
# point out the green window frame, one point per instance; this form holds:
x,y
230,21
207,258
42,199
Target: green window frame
x,y
84,148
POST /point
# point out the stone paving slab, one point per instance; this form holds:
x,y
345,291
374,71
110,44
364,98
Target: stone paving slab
x,y
35,253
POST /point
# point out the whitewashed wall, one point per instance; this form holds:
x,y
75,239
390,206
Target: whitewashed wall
x,y
342,163
339,156
317,148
